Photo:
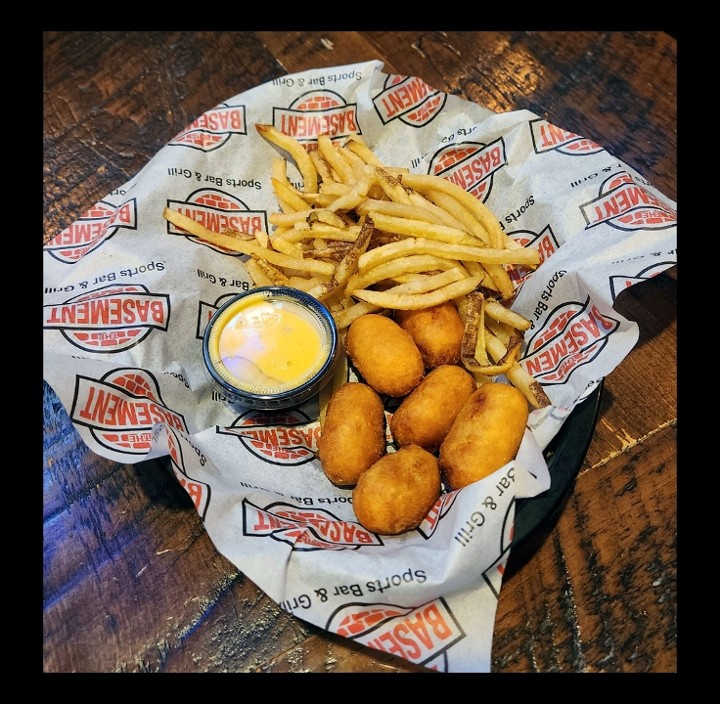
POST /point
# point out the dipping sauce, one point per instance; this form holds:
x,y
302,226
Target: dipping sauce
x,y
271,347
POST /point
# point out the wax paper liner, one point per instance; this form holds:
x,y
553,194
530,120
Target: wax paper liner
x,y
127,297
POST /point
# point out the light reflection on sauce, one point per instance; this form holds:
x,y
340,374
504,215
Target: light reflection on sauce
x,y
267,344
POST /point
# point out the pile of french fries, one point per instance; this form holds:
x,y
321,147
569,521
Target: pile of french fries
x,y
363,237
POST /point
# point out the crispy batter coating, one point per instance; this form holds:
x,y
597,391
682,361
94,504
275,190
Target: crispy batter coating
x,y
437,331
397,491
425,416
353,434
485,435
385,355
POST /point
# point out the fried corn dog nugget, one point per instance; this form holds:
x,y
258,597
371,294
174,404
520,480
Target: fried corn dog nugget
x,y
385,355
425,416
437,331
397,491
353,434
485,435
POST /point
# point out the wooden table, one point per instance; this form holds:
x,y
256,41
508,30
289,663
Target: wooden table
x,y
132,583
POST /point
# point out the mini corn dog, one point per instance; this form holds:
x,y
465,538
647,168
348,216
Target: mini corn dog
x,y
353,434
385,355
397,491
485,435
425,416
437,331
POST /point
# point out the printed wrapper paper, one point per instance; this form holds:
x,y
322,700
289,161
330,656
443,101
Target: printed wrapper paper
x,y
127,298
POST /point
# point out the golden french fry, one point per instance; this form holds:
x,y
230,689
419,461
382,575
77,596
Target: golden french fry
x,y
501,279
192,227
325,216
421,228
288,219
344,171
334,188
420,245
287,194
343,318
415,301
348,264
293,151
497,311
394,268
411,211
321,167
258,276
355,144
328,232
530,387
422,283
262,238
392,187
440,215
270,272
459,213
484,215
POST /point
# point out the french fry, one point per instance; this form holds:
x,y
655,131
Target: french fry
x,y
530,387
258,276
323,231
499,312
414,301
393,268
192,227
483,214
460,214
485,255
392,187
422,228
293,151
288,195
348,264
410,210
270,272
422,283
355,144
344,171
343,318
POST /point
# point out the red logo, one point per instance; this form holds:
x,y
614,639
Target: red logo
x,y
199,492
625,204
573,335
547,138
470,165
220,212
544,241
436,513
316,113
94,227
303,528
109,319
417,634
213,128
281,437
121,409
408,99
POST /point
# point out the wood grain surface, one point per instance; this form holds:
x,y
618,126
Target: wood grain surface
x,y
131,581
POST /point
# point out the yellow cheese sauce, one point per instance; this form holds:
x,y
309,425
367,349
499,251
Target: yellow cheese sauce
x,y
273,344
